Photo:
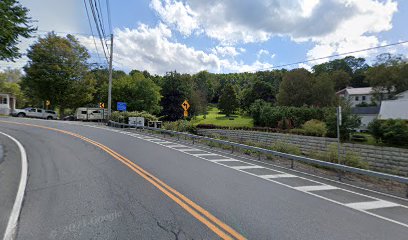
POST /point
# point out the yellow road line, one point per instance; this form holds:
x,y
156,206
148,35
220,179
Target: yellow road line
x,y
188,205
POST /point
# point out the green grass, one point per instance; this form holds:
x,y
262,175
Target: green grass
x,y
214,117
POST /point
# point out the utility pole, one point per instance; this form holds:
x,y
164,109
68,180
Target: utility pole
x,y
110,78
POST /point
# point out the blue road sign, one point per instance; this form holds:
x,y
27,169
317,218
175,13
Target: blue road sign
x,y
121,106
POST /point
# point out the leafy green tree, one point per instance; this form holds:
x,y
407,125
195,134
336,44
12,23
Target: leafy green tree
x,y
57,70
140,93
176,88
257,90
13,88
350,121
228,100
341,79
296,88
323,94
15,23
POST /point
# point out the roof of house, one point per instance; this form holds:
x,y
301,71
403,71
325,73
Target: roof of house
x,y
366,110
359,91
394,109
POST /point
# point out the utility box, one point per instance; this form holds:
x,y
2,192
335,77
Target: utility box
x,y
137,121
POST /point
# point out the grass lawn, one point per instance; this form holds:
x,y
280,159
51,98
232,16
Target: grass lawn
x,y
213,117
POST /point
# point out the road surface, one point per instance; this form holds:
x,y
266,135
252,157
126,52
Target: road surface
x,y
89,182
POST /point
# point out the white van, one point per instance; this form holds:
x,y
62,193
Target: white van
x,y
90,114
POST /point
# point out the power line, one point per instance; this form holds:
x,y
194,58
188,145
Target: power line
x,y
332,56
90,26
97,25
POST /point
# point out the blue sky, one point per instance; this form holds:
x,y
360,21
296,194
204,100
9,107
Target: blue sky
x,y
230,35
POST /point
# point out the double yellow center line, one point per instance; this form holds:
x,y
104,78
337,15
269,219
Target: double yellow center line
x,y
217,226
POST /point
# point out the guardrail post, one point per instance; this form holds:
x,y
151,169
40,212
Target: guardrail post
x,y
232,148
292,164
259,156
193,140
406,195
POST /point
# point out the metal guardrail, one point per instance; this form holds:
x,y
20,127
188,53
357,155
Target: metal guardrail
x,y
291,157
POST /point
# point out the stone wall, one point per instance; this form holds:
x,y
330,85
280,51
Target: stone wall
x,y
385,159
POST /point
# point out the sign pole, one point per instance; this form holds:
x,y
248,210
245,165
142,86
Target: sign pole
x,y
339,120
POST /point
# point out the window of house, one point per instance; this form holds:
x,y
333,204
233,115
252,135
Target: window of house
x,y
357,98
364,98
4,101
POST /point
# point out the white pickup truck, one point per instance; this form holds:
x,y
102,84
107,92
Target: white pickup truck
x,y
35,113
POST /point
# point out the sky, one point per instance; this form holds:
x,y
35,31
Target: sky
x,y
226,36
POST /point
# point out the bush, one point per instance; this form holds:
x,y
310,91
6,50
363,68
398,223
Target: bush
x,y
180,126
123,117
286,148
331,155
394,132
315,128
266,115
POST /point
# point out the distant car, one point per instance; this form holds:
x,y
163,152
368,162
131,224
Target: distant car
x,y
35,113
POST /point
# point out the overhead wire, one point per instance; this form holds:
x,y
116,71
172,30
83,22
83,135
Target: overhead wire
x,y
333,56
90,26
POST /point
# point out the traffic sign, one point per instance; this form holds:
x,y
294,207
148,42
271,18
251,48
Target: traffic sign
x,y
101,105
185,113
121,106
47,102
185,105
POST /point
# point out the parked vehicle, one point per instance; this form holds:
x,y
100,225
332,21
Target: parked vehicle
x,y
90,114
35,113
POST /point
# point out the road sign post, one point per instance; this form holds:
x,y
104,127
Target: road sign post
x,y
185,105
339,120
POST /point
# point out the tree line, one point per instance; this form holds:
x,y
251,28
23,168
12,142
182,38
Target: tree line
x,y
58,70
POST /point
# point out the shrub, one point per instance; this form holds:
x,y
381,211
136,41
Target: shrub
x,y
180,126
351,159
123,117
394,132
266,115
315,128
286,148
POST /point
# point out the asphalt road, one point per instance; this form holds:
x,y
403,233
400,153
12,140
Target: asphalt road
x,y
76,190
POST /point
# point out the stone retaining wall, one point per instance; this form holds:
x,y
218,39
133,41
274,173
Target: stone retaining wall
x,y
385,159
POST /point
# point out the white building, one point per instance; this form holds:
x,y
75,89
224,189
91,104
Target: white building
x,y
367,115
7,103
395,109
357,96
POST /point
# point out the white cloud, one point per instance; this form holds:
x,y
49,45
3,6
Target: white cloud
x,y
333,25
177,14
262,52
226,51
152,49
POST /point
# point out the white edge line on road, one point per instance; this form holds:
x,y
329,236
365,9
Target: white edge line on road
x,y
282,175
11,228
279,183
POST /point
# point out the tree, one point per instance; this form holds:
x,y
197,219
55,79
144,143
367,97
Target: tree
x,y
140,93
296,88
14,24
175,89
57,71
228,100
257,90
11,87
341,79
323,94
